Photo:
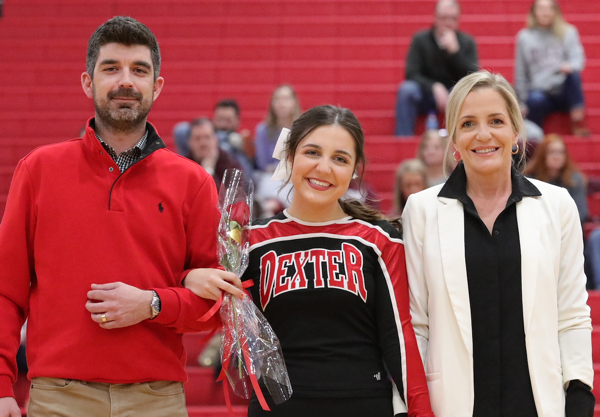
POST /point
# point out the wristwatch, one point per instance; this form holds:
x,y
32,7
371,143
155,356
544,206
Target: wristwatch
x,y
155,305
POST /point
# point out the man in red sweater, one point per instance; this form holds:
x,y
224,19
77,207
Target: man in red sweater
x,y
98,234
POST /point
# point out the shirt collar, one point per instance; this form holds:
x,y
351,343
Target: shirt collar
x,y
456,186
140,145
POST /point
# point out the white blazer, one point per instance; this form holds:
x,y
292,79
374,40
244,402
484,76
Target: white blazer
x,y
556,317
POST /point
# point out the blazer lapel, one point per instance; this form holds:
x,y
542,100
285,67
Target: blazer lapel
x,y
452,247
529,239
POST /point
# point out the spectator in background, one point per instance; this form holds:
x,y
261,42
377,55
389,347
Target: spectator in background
x,y
284,108
226,121
411,177
432,152
551,163
549,60
437,59
205,150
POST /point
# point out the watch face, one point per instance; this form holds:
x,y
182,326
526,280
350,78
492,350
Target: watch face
x,y
155,305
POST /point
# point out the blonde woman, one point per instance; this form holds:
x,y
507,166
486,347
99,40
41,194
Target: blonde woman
x,y
432,153
411,178
549,60
495,266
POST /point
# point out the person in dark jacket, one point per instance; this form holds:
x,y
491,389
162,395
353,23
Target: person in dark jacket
x,y
205,150
437,59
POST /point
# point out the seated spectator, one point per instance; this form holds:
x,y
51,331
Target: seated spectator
x,y
205,150
551,163
283,110
226,121
432,152
411,177
548,64
437,59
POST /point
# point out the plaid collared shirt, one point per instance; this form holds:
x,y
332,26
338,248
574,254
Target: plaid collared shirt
x,y
127,158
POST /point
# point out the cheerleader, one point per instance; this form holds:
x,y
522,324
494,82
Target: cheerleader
x,y
330,277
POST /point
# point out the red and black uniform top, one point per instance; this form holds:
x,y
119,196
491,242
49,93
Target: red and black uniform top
x,y
336,295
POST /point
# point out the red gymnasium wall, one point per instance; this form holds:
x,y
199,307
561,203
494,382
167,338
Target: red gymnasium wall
x,y
346,52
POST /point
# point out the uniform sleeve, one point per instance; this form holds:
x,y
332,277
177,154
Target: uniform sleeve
x,y
574,322
180,307
396,335
17,232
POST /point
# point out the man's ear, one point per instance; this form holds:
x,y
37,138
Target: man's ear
x,y
86,84
158,85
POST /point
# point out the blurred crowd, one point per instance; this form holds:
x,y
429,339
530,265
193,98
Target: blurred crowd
x,y
549,59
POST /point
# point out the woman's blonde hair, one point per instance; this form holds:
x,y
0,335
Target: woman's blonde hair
x,y
477,81
559,25
428,135
409,166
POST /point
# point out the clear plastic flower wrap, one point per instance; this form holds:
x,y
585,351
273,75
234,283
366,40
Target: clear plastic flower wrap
x,y
250,350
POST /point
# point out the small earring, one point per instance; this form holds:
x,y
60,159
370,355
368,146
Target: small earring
x,y
515,149
355,175
454,157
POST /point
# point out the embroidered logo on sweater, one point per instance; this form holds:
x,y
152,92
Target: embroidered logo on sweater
x,y
337,269
160,207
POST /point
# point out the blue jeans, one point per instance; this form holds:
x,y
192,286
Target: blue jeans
x,y
412,100
568,97
592,255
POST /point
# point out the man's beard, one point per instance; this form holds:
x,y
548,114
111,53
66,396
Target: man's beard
x,y
123,118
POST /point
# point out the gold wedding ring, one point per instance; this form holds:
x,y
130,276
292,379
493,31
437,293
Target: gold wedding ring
x,y
103,318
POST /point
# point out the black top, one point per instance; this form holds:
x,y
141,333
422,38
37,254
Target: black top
x,y
427,63
502,382
500,369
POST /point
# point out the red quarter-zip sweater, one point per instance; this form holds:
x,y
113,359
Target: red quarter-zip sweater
x,y
72,219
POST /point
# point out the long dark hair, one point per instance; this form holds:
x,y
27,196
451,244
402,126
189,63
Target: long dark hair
x,y
331,115
538,169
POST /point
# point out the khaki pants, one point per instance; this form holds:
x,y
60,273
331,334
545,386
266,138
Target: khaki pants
x,y
55,397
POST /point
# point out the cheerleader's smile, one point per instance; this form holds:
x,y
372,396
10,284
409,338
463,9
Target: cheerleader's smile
x,y
322,169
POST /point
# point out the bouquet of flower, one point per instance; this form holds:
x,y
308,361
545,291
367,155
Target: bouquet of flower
x,y
250,350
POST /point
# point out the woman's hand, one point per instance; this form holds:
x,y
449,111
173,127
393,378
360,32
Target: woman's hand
x,y
565,68
209,283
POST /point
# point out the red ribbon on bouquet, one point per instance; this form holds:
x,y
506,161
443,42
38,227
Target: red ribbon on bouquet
x,y
245,353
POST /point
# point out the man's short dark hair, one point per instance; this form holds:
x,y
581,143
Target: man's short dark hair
x,y
200,121
125,31
231,103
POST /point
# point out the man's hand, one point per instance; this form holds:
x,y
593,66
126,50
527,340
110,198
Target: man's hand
x,y
440,94
9,407
448,41
208,283
120,305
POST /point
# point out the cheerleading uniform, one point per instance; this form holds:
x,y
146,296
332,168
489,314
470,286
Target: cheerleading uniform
x,y
336,295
